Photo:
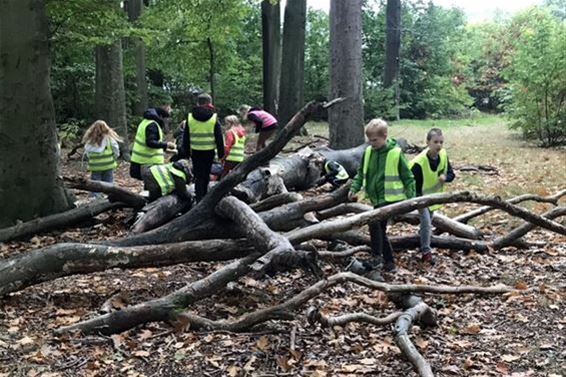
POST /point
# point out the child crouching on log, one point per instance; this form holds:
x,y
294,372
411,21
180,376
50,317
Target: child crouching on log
x,y
431,169
161,180
385,177
102,152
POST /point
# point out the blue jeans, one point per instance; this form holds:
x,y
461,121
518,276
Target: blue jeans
x,y
425,229
104,176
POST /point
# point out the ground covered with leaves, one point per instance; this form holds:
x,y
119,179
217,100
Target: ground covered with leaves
x,y
499,335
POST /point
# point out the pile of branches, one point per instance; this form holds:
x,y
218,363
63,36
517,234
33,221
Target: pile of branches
x,y
253,219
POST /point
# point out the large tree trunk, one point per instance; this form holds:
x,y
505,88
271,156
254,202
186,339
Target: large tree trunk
x,y
347,119
292,88
110,97
135,10
392,49
29,156
271,42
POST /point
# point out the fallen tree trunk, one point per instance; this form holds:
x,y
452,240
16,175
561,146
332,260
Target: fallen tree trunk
x,y
160,212
58,221
167,308
115,193
464,218
275,201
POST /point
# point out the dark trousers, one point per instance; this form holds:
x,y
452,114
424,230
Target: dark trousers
x,y
380,244
202,162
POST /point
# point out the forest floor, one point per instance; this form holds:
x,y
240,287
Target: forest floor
x,y
509,335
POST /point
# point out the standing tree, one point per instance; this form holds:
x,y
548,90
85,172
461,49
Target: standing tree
x,y
392,48
271,42
346,119
135,10
291,94
29,155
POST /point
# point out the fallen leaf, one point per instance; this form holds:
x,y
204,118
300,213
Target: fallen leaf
x,y
263,343
510,358
233,371
502,368
141,353
521,285
469,363
472,329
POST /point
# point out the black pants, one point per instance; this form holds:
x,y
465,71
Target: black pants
x,y
202,162
380,244
135,170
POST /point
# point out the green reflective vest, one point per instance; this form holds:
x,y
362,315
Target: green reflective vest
x,y
141,153
237,151
163,175
102,161
342,173
202,133
431,184
394,190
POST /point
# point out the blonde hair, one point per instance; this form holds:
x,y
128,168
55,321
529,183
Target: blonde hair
x,y
244,109
377,126
97,131
231,121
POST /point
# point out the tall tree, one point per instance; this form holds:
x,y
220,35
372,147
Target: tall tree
x,y
392,49
110,96
135,10
29,155
346,119
292,88
271,42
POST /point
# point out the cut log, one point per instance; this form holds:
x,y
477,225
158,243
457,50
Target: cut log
x,y
168,307
160,212
58,221
275,201
115,193
464,218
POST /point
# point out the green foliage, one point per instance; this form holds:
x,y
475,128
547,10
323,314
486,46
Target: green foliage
x,y
70,133
317,44
536,94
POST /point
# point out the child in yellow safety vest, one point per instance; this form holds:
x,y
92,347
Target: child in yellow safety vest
x,y
102,152
234,144
431,169
385,177
165,179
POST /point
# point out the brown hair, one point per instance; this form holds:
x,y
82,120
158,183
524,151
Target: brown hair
x,y
377,126
204,99
432,133
97,131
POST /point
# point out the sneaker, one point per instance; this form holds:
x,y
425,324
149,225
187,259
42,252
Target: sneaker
x,y
390,267
356,266
375,275
428,258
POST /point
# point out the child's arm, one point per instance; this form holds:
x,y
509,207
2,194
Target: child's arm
x,y
219,140
257,121
406,177
115,148
449,173
418,174
229,142
359,178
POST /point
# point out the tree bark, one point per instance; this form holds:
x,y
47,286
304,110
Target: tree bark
x,y
392,50
274,201
58,220
135,10
115,193
271,42
110,96
292,88
347,119
29,155
160,212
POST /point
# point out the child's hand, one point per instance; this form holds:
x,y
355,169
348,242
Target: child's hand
x,y
171,145
352,196
442,178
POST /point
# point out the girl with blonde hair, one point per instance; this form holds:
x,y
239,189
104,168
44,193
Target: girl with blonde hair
x,y
102,151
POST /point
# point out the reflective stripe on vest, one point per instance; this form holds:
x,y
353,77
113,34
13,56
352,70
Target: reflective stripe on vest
x,y
342,174
102,161
266,118
394,190
202,133
141,153
431,184
163,175
237,151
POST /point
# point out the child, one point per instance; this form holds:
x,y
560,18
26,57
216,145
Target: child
x,y
235,144
265,123
161,180
334,173
102,151
385,176
431,170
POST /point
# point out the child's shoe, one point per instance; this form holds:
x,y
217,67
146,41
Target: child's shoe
x,y
390,267
428,258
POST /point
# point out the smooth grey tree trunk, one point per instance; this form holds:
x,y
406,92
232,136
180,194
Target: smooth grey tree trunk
x,y
135,10
292,87
347,118
392,50
271,42
110,96
29,154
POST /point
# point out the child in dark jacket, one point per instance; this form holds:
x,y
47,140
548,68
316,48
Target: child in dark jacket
x,y
385,177
431,169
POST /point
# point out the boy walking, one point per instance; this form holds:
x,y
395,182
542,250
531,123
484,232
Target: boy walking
x,y
385,177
